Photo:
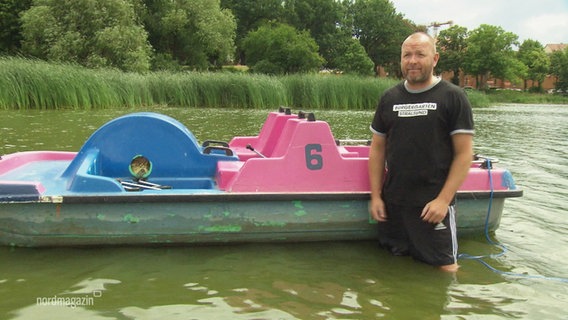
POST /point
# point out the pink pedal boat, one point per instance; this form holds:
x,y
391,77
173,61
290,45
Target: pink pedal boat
x,y
158,186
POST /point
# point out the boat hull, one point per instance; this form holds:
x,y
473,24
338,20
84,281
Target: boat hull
x,y
213,218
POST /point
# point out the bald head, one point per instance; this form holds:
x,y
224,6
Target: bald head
x,y
421,38
418,57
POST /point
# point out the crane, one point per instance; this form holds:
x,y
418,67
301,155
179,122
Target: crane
x,y
436,25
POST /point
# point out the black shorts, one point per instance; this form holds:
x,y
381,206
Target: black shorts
x,y
405,233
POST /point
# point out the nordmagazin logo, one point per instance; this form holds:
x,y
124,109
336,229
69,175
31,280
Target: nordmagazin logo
x,y
69,301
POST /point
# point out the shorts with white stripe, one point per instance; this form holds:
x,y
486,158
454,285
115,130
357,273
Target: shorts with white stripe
x,y
405,233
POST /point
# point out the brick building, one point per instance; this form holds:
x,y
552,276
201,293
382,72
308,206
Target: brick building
x,y
471,81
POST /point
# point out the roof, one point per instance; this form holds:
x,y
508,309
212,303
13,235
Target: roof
x,y
551,47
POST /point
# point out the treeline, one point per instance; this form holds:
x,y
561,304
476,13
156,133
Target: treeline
x,y
268,36
489,52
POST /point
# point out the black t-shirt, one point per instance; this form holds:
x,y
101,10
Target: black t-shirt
x,y
418,128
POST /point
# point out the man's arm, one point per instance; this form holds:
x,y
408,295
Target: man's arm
x,y
435,211
376,177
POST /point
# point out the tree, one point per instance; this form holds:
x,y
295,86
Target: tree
x,y
559,68
280,49
490,52
326,22
250,15
381,31
532,54
452,46
323,19
193,33
348,56
319,17
93,33
10,26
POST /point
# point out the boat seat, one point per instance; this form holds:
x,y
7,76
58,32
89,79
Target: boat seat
x,y
304,159
169,145
266,139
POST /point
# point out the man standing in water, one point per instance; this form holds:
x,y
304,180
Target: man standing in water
x,y
423,136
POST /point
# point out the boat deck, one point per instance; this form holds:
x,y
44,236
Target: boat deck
x,y
46,171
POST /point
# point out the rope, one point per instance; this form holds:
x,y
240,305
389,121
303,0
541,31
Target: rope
x,y
479,258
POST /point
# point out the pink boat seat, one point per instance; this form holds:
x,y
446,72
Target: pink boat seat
x,y
266,139
305,158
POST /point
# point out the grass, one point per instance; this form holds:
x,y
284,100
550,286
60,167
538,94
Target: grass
x,y
35,84
478,98
510,96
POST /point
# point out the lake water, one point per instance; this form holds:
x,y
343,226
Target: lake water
x,y
336,280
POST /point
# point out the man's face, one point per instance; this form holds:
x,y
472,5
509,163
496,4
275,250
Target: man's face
x,y
417,61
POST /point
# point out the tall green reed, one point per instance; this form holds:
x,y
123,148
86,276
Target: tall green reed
x,y
34,84
342,92
478,98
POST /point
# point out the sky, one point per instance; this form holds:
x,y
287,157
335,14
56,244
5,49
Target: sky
x,y
543,20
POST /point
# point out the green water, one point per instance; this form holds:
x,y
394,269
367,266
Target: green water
x,y
337,280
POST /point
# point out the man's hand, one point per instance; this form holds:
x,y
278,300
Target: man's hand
x,y
377,209
435,211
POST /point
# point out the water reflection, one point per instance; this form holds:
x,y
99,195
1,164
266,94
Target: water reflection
x,y
210,308
314,280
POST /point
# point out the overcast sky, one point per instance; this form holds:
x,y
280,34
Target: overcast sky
x,y
543,20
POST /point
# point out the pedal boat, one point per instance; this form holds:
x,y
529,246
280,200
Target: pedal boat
x,y
144,179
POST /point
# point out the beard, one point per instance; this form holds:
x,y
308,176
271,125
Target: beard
x,y
415,77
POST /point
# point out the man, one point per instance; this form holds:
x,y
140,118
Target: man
x,y
423,137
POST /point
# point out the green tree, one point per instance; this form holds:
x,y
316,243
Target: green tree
x,y
348,56
490,53
452,46
10,26
192,33
323,19
93,33
326,22
559,69
320,17
250,15
281,49
532,54
381,31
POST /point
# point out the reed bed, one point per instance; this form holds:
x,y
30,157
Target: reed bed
x,y
478,98
337,92
35,84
